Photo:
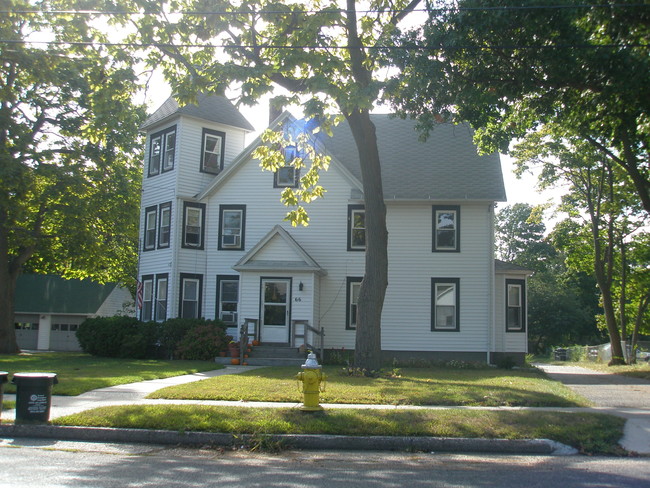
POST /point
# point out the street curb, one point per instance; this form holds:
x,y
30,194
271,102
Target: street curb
x,y
291,441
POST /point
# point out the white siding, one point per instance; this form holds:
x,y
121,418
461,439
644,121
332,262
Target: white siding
x,y
507,341
118,300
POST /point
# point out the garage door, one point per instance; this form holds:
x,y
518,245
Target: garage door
x,y
27,331
63,335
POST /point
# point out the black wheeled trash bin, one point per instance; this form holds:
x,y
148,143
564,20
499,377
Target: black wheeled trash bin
x,y
4,377
33,396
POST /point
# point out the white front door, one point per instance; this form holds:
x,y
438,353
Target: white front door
x,y
275,312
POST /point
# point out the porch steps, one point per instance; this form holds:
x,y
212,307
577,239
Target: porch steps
x,y
271,355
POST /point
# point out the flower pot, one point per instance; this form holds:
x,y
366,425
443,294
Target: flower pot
x,y
234,361
222,354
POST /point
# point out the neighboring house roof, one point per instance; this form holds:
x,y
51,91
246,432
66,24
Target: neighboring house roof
x,y
53,294
444,167
505,267
302,262
209,107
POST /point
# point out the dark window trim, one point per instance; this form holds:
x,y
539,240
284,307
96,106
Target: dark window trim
x,y
436,208
348,287
223,149
351,209
152,209
522,284
434,282
161,207
220,279
200,206
160,277
143,280
190,276
163,138
242,239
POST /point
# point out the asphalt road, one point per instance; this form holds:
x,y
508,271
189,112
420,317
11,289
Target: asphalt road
x,y
53,464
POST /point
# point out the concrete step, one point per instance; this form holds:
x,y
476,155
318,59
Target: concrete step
x,y
268,351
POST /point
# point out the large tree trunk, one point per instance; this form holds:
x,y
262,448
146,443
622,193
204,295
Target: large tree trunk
x,y
8,277
367,352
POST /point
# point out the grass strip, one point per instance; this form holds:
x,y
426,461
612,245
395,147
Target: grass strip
x,y
78,373
411,386
590,433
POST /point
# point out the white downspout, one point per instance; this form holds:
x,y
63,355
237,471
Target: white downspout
x,y
491,312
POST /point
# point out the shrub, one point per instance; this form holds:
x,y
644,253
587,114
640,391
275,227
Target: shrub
x,y
173,332
106,336
203,342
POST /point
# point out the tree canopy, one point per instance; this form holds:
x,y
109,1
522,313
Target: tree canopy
x,y
69,152
510,66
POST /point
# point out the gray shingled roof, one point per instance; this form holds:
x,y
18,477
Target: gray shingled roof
x,y
504,267
209,107
445,167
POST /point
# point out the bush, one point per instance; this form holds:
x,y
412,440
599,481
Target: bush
x,y
203,342
106,336
127,337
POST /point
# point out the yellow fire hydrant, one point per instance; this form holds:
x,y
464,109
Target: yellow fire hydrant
x,y
313,382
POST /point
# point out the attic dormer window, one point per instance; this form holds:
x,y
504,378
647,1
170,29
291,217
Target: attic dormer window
x,y
287,176
162,151
212,151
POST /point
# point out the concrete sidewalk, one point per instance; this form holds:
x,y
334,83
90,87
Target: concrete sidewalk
x,y
636,439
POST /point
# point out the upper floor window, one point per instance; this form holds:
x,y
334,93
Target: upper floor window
x,y
162,151
515,306
231,230
353,288
446,229
445,311
287,176
149,228
356,228
193,225
164,228
212,151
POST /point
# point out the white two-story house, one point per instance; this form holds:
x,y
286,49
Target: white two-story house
x,y
214,242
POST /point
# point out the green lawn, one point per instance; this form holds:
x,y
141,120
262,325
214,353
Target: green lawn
x,y
78,373
415,386
589,433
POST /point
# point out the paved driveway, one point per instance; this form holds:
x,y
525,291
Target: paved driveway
x,y
603,389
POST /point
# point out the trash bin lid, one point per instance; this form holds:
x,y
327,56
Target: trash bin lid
x,y
4,377
36,375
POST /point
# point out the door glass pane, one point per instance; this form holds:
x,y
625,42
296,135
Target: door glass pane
x,y
275,292
274,314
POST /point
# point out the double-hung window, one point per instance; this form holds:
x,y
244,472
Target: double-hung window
x,y
162,151
351,315
149,228
228,299
356,228
445,308
212,151
146,314
446,228
161,298
164,227
515,306
232,225
193,225
191,294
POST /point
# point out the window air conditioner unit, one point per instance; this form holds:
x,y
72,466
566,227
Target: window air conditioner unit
x,y
230,240
229,317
